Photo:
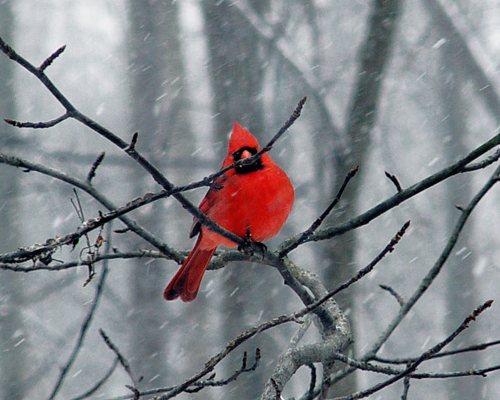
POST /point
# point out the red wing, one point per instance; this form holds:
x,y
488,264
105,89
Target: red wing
x,y
208,201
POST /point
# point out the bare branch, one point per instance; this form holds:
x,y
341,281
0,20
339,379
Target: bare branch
x,y
380,369
398,198
429,278
477,347
83,332
38,125
202,384
50,59
406,388
295,115
436,269
73,264
131,146
388,249
51,245
484,163
394,180
425,356
302,238
121,359
94,167
99,383
394,294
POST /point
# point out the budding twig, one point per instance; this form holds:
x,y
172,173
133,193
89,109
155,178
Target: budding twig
x,y
395,181
50,59
94,167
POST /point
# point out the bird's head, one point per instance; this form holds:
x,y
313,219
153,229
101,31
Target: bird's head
x,y
242,144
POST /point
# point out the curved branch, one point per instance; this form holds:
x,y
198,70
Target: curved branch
x,y
38,125
436,269
28,253
73,264
83,331
72,112
430,276
396,199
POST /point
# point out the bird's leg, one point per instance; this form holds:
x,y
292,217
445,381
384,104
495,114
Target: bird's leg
x,y
249,246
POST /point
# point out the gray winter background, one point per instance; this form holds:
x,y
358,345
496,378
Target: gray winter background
x,y
179,73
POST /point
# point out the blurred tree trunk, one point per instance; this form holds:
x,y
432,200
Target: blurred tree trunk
x,y
374,55
236,73
461,288
13,347
158,114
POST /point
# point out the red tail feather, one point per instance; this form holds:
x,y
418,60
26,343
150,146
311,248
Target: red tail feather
x,y
186,282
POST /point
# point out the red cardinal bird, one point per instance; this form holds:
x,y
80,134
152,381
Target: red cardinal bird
x,y
251,199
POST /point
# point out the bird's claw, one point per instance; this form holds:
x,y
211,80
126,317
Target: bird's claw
x,y
262,248
249,246
246,248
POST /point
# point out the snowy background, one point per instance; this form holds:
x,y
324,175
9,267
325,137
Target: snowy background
x,y
179,73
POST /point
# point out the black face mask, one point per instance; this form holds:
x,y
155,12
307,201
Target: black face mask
x,y
245,169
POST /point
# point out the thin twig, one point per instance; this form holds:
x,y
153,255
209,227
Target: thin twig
x,y
83,332
394,294
235,375
121,359
92,249
79,263
31,253
50,59
381,369
388,249
406,388
484,163
398,198
394,180
302,237
38,125
428,279
295,115
199,385
94,167
436,269
477,347
133,142
99,383
425,356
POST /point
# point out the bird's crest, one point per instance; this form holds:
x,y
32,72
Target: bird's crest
x,y
240,137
